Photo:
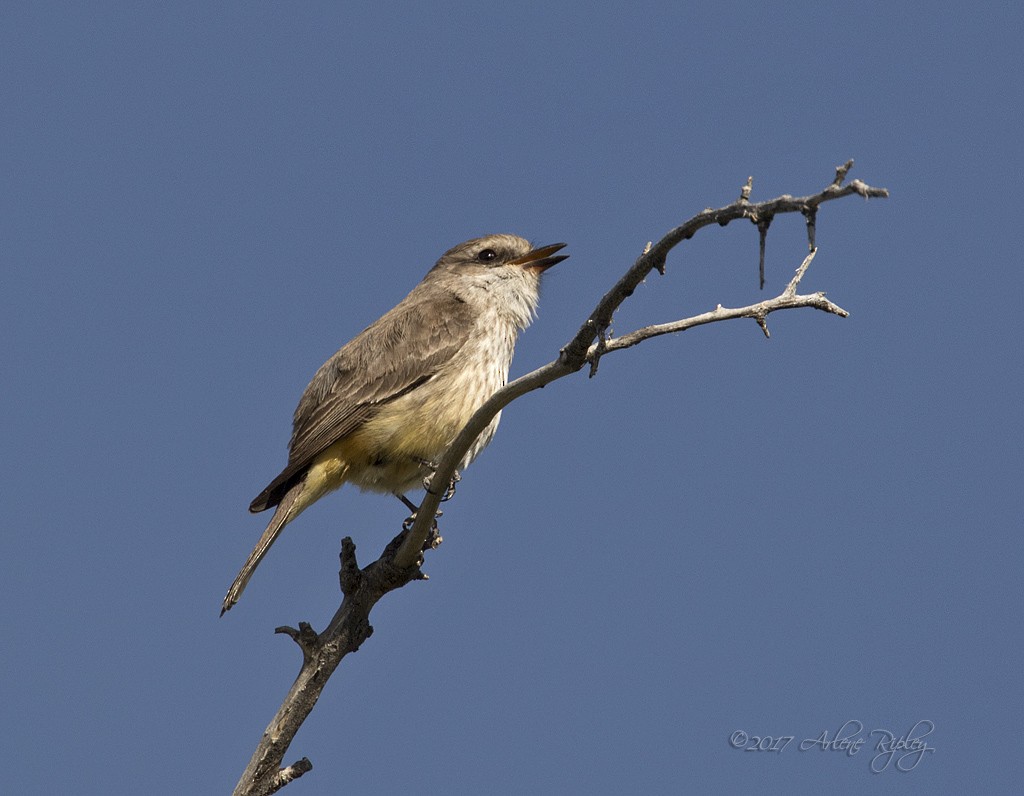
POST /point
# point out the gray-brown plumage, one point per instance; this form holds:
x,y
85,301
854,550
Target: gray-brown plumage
x,y
395,396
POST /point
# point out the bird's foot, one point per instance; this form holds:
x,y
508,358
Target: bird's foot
x,y
431,468
434,538
411,519
449,493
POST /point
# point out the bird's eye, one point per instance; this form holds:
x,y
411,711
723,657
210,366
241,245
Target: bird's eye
x,y
487,255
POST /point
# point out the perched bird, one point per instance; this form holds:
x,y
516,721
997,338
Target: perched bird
x,y
380,411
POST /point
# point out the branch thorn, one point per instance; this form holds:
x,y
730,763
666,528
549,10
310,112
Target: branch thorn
x,y
292,772
811,214
349,576
746,189
762,231
841,172
306,637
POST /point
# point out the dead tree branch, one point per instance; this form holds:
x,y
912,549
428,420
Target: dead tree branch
x,y
400,562
582,349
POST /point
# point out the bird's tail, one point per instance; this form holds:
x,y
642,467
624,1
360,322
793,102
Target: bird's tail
x,y
284,513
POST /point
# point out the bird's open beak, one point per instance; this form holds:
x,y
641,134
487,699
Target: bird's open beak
x,y
540,259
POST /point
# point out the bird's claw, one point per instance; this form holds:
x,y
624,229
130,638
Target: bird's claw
x,y
449,493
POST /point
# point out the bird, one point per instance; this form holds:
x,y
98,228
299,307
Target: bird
x,y
381,411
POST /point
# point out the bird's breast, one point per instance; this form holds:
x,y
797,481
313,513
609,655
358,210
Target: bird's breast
x,y
421,424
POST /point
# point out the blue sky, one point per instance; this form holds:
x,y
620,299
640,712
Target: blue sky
x,y
719,533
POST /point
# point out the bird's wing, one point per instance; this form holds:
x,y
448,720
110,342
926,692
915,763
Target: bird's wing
x,y
411,343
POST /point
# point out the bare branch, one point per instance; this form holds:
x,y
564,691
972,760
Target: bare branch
x,y
580,350
399,563
790,290
787,300
321,655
